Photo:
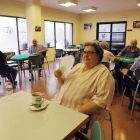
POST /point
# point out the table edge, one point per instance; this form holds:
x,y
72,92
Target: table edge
x,y
76,129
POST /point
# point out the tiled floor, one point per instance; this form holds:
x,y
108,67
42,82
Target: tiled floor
x,y
124,128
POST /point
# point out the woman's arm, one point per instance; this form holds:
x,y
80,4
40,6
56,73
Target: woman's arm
x,y
89,108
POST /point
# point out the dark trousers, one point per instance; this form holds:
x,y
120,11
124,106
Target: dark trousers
x,y
128,93
118,76
4,71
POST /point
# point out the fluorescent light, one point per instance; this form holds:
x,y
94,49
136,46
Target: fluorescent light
x,y
89,9
138,2
68,3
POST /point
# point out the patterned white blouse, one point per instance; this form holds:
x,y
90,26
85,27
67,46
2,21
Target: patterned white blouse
x,y
96,84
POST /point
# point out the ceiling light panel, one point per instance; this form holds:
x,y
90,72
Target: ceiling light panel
x,y
89,9
68,3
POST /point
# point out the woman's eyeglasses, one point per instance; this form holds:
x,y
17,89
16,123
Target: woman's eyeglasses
x,y
88,53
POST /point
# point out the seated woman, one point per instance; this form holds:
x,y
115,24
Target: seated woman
x,y
89,87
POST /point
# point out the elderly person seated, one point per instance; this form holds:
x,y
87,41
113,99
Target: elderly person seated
x,y
89,87
107,55
130,51
131,72
3,69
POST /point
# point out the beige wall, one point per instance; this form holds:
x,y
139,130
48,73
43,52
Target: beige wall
x,y
12,8
110,17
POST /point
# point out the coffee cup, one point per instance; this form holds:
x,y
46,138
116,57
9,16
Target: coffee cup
x,y
37,99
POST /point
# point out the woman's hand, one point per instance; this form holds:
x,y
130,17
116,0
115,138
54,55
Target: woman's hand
x,y
57,73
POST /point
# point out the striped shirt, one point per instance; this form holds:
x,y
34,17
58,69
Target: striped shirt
x,y
96,84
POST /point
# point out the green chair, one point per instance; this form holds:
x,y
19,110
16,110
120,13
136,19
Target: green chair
x,y
134,88
77,60
97,132
35,62
58,55
106,64
45,57
72,47
80,53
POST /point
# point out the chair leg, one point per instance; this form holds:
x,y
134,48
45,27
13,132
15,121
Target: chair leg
x,y
45,76
117,89
123,96
110,119
134,101
35,75
48,66
12,81
53,62
111,126
32,78
38,76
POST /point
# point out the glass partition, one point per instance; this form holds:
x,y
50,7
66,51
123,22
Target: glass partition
x,y
22,33
8,34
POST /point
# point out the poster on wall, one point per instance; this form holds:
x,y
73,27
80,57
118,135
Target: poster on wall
x,y
8,34
87,26
136,24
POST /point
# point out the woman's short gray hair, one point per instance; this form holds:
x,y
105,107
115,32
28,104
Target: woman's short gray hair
x,y
97,47
104,45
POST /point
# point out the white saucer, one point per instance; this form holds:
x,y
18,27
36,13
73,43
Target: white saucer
x,y
43,105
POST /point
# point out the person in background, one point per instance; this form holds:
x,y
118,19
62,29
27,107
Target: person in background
x,y
89,87
130,51
131,72
3,69
108,56
36,49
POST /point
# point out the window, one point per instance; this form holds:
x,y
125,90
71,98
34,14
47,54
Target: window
x,y
114,33
49,33
8,34
58,34
22,33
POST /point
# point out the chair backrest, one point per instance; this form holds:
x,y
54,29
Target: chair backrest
x,y
131,82
58,52
137,74
77,60
72,47
106,64
44,56
35,60
97,132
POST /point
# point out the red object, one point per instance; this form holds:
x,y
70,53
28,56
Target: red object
x,y
7,80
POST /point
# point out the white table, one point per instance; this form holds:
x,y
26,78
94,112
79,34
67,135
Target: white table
x,y
55,122
71,50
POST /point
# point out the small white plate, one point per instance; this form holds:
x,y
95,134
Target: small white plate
x,y
43,105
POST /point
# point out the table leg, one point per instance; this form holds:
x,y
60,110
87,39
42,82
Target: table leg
x,y
19,74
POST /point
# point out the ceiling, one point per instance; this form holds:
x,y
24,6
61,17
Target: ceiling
x,y
102,5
